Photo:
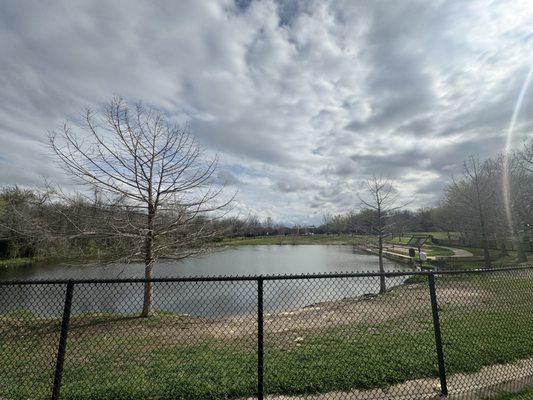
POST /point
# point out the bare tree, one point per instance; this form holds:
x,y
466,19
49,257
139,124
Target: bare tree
x,y
268,223
327,219
153,172
526,157
19,209
519,195
381,198
473,199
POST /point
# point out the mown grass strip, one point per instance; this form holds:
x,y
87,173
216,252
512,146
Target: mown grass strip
x,y
524,395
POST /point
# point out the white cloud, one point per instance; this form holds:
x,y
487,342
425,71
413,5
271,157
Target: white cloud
x,y
301,100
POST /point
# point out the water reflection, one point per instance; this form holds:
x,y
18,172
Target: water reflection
x,y
210,299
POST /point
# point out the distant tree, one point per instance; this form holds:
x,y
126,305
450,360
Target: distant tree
x,y
519,184
380,197
338,224
149,169
472,200
19,236
443,218
253,225
424,220
526,157
327,219
352,222
402,222
268,223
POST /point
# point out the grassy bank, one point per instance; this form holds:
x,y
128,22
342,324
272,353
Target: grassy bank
x,y
18,262
179,357
496,262
297,240
524,395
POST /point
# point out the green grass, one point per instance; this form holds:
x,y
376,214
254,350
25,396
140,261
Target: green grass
x,y
432,250
297,240
113,357
442,235
18,262
437,251
323,363
496,262
497,259
524,395
478,251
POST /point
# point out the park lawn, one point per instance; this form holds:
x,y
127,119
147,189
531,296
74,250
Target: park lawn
x,y
112,361
432,250
437,251
404,238
478,251
399,240
524,395
441,235
496,262
296,240
18,262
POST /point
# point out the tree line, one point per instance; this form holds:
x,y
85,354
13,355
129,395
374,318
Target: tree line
x,y
150,192
472,211
490,205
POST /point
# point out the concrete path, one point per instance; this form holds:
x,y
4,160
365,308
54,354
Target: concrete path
x,y
458,252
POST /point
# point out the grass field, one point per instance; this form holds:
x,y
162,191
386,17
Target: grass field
x,y
432,250
18,262
178,357
297,240
525,395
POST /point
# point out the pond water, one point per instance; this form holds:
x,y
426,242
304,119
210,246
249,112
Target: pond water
x,y
212,299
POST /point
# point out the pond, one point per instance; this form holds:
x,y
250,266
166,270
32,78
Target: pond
x,y
212,299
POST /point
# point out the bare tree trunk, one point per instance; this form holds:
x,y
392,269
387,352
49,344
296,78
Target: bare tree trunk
x,y
149,261
382,285
486,253
148,309
482,221
383,202
503,252
521,255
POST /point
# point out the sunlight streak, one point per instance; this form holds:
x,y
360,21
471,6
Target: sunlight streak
x,y
508,148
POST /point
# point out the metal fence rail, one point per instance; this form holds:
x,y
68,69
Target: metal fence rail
x,y
462,334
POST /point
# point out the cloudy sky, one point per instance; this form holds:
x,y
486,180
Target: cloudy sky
x,y
302,100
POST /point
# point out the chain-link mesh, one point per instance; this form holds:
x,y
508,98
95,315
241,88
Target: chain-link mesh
x,y
351,343
318,337
30,317
198,344
487,330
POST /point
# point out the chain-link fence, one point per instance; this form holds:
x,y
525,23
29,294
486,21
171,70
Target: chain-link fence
x,y
462,334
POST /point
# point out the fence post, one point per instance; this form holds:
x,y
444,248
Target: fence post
x,y
260,340
438,337
62,341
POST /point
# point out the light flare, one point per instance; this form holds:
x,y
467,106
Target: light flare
x,y
508,148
